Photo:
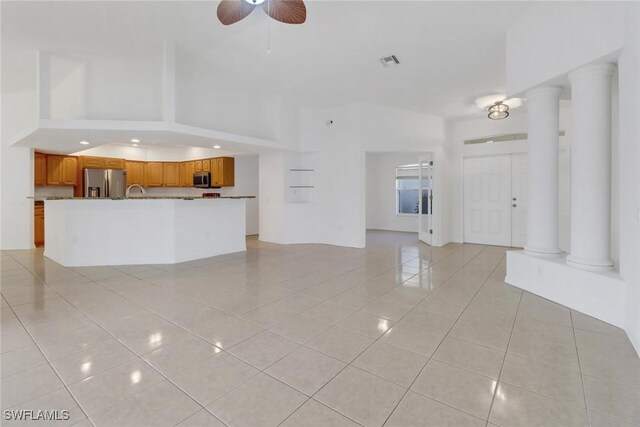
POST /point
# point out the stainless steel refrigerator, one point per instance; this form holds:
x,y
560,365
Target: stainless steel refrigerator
x,y
101,183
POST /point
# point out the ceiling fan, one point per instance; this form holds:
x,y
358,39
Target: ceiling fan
x,y
287,11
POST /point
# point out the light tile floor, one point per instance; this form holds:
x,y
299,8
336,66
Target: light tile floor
x,y
397,334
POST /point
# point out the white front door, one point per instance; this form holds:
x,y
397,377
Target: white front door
x,y
425,200
495,200
519,186
487,200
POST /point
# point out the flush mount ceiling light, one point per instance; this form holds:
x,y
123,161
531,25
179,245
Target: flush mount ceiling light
x,y
217,147
135,140
84,142
498,111
484,102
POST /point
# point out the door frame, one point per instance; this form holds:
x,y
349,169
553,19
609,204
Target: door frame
x,y
426,236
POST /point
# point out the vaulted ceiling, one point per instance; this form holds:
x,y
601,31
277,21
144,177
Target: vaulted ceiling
x,y
450,52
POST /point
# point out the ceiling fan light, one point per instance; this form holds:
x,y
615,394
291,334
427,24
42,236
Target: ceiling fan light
x,y
255,2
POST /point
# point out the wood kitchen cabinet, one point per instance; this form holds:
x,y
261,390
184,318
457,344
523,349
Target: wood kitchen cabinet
x,y
187,169
171,175
90,162
222,172
62,170
40,169
114,163
206,165
135,172
198,166
38,225
153,173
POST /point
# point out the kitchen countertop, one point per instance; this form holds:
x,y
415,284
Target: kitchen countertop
x,y
143,198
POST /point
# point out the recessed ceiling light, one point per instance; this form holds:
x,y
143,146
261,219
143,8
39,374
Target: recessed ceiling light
x,y
135,140
217,147
84,142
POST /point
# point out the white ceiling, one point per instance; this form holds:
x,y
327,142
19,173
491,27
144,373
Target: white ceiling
x,y
450,52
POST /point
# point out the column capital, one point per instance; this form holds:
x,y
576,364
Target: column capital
x,y
601,69
554,91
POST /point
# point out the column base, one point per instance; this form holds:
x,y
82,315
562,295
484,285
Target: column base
x,y
543,252
590,265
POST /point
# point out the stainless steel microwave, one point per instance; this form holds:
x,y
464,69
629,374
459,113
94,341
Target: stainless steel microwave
x,y
202,179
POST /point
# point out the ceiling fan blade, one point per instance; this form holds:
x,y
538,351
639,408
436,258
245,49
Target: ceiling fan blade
x,y
232,11
287,11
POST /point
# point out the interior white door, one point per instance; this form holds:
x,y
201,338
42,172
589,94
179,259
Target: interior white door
x,y
487,200
519,186
425,201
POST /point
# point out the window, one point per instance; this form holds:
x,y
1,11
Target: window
x,y
407,191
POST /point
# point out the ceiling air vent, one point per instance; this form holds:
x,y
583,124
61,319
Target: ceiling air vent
x,y
389,61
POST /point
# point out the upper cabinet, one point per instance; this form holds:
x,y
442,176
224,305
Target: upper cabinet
x,y
53,169
153,174
222,172
40,169
62,170
187,169
90,162
135,172
171,175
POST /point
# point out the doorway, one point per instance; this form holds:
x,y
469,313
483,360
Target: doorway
x,y
495,200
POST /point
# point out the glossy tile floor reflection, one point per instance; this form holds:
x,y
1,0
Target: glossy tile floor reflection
x,y
397,334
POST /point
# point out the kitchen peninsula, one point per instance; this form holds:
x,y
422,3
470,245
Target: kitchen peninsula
x,y
146,230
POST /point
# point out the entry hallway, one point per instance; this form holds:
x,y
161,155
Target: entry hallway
x,y
399,333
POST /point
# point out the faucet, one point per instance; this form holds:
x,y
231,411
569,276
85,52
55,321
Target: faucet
x,y
131,186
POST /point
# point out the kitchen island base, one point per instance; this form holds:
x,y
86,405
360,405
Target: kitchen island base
x,y
90,232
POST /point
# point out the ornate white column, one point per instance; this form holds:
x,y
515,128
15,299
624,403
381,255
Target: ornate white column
x,y
543,129
591,167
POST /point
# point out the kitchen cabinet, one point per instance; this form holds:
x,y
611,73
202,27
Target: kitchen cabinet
x,y
153,174
62,170
135,172
198,166
90,162
222,172
38,225
40,169
171,175
206,165
187,169
114,163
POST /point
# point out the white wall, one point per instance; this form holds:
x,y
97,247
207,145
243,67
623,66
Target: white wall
x,y
19,114
204,100
629,172
104,86
381,191
335,210
555,37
